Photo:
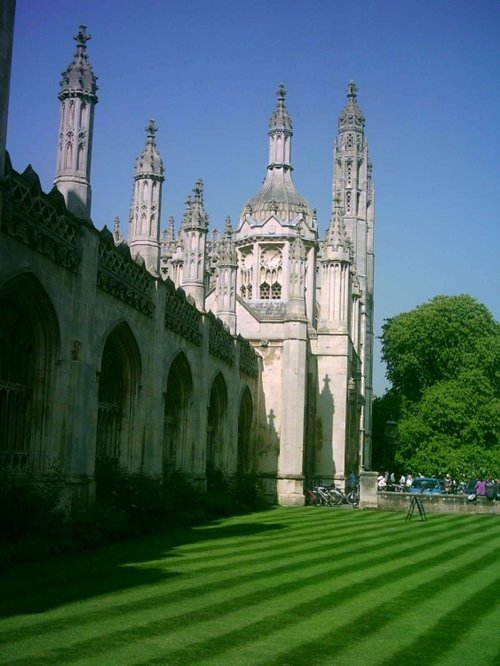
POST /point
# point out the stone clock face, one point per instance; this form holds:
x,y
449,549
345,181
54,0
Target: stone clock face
x,y
271,258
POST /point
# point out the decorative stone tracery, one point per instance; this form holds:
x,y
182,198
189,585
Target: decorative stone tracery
x,y
40,220
119,275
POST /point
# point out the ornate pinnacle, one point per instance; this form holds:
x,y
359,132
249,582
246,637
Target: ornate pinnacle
x,y
198,190
81,38
151,129
351,117
280,118
228,228
352,91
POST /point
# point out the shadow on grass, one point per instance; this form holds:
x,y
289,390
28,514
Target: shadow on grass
x,y
39,587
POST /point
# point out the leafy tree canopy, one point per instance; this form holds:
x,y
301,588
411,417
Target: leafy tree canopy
x,y
434,342
443,360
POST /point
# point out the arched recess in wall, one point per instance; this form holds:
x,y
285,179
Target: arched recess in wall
x,y
29,343
245,418
119,379
216,423
178,397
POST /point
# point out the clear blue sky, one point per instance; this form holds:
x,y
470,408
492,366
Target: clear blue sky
x,y
428,78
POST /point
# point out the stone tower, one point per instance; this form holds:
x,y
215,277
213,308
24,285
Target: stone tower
x,y
194,232
336,448
276,243
144,221
353,188
78,99
226,279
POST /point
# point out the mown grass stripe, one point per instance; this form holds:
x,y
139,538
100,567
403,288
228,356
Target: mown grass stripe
x,y
247,603
394,605
322,558
300,623
161,628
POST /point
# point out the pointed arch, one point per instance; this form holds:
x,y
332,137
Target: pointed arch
x,y
71,113
68,155
80,157
216,422
245,418
29,344
178,399
119,378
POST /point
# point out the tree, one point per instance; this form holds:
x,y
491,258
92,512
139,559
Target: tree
x,y
434,341
443,359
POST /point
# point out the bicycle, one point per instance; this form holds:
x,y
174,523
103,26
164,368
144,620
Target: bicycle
x,y
350,496
320,495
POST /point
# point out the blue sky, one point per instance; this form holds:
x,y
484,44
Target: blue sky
x,y
427,73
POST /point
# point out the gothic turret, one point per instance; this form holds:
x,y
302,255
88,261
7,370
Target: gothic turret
x,y
335,276
278,198
352,185
225,288
144,220
352,179
272,219
194,231
78,99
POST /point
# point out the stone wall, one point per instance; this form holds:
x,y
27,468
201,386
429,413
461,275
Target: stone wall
x,y
387,501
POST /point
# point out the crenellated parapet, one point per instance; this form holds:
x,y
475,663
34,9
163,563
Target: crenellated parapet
x,y
121,276
249,360
181,316
40,220
220,341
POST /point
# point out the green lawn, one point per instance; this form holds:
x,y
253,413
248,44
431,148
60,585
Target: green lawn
x,y
283,587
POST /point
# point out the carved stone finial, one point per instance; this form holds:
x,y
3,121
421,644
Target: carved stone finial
x,y
352,91
228,228
281,92
151,129
81,38
117,234
198,190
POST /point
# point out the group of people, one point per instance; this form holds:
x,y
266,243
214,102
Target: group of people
x,y
489,489
450,486
388,481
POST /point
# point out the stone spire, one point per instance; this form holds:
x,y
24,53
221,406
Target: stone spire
x,y
336,275
352,186
225,289
278,197
337,242
351,117
280,134
195,216
78,99
194,232
144,221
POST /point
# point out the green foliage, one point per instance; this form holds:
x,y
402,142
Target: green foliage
x,y
30,506
386,412
33,524
434,341
443,359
